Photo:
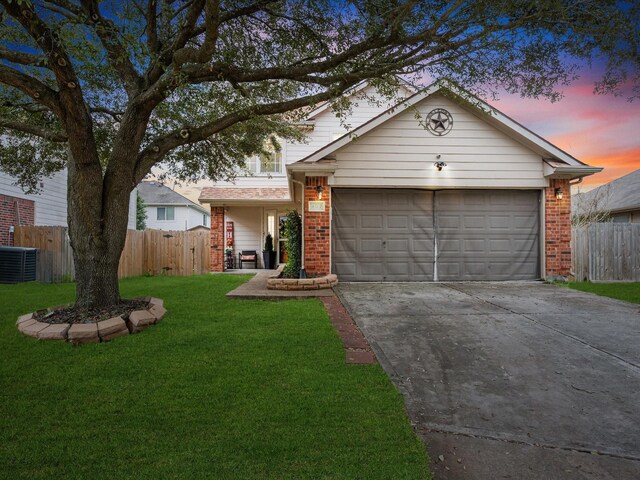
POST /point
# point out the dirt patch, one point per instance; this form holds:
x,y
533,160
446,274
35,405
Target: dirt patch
x,y
73,315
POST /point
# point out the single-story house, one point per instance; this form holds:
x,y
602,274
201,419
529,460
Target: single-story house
x,y
461,193
618,200
166,209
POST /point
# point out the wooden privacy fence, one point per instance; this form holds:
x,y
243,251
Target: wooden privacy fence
x,y
606,252
146,252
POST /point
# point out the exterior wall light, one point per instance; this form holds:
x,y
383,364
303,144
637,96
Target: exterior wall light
x,y
439,165
319,189
558,193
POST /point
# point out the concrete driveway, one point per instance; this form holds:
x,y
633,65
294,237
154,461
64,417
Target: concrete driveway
x,y
510,380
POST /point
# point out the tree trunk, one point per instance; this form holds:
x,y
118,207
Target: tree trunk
x,y
98,211
96,271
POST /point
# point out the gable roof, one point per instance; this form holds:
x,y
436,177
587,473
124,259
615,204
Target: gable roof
x,y
155,193
557,160
354,91
619,195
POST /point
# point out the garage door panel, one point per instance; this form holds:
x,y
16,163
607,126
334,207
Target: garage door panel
x,y
371,221
506,248
390,234
398,245
422,223
347,222
369,246
400,237
398,222
422,246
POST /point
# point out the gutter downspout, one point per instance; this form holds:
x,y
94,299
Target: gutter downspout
x,y
303,273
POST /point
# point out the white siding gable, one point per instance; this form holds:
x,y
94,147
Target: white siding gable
x,y
402,153
327,127
184,218
50,203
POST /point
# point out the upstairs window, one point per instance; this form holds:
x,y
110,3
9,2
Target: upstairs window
x,y
266,163
166,213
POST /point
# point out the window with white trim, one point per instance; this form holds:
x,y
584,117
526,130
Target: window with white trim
x,y
263,163
166,213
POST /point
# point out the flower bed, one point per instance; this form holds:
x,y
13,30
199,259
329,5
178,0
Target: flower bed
x,y
78,333
276,282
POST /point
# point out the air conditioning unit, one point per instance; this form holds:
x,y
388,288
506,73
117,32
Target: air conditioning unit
x,y
18,264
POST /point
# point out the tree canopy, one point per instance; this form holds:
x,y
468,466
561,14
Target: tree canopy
x,y
112,88
209,78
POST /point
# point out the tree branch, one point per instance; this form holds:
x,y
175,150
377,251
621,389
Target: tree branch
x,y
28,85
154,153
152,27
116,52
46,133
117,116
23,58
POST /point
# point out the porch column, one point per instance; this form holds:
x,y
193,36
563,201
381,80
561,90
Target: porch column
x,y
557,230
217,239
317,228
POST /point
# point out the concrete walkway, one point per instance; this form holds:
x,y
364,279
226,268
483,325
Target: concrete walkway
x,y
256,288
518,380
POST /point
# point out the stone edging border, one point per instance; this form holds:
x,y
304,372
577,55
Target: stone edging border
x,y
81,333
274,282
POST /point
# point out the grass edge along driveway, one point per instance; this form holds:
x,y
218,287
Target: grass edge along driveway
x,y
627,291
221,389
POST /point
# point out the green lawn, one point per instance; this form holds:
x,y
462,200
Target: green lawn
x,y
221,389
622,291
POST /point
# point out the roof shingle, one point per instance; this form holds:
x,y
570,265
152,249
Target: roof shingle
x,y
209,194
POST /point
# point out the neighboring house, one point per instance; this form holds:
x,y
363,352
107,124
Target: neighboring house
x,y
462,195
618,200
47,207
168,210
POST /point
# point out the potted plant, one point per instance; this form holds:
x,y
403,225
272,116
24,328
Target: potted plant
x,y
269,254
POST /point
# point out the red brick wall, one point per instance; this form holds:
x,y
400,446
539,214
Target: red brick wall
x,y
557,239
217,239
13,212
317,229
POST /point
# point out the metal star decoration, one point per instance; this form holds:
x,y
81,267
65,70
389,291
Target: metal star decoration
x,y
439,121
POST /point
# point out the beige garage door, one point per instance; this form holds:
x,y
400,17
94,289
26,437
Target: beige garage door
x,y
419,235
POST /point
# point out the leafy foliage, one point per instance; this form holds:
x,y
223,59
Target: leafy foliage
x,y
293,233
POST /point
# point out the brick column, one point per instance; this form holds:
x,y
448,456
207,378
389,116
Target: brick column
x,y
557,228
217,239
14,211
317,228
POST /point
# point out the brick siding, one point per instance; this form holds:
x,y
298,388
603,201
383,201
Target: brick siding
x,y
13,212
557,241
317,229
217,239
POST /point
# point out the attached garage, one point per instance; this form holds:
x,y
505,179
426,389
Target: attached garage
x,y
446,235
466,193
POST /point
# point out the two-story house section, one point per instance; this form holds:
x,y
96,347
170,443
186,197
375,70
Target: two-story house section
x,y
168,210
439,187
256,203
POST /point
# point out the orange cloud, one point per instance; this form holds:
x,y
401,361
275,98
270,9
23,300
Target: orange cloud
x,y
615,165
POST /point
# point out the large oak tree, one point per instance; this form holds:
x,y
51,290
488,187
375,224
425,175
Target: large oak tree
x,y
111,89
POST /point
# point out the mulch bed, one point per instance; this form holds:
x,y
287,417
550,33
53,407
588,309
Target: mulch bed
x,y
93,315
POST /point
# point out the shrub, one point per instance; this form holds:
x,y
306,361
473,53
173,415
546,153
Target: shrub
x,y
268,243
293,233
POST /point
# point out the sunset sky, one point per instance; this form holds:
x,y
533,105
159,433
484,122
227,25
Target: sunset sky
x,y
599,130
